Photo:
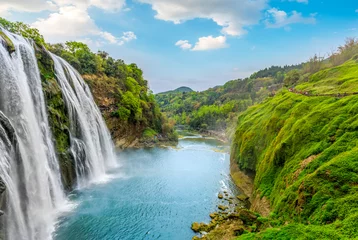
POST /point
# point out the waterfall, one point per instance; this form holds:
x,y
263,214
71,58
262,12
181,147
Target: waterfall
x,y
34,189
91,142
29,167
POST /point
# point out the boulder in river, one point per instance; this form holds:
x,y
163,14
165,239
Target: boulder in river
x,y
220,196
199,227
213,215
222,207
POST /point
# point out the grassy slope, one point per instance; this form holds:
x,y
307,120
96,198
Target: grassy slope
x,y
305,154
340,79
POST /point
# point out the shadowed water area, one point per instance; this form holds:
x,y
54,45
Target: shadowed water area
x,y
156,194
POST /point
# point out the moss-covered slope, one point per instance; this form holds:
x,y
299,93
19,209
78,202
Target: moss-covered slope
x,y
339,79
305,154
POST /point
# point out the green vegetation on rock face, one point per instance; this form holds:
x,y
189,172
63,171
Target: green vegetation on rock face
x,y
9,45
24,30
304,152
58,116
120,91
56,108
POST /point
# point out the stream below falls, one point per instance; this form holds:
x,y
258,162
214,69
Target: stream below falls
x,y
154,194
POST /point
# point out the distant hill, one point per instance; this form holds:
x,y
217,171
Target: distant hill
x,y
179,90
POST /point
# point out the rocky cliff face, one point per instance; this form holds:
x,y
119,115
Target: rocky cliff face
x,y
108,93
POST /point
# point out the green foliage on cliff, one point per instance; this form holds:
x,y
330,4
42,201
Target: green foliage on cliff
x,y
24,30
117,87
9,44
58,116
304,152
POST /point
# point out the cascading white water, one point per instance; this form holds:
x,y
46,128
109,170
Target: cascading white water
x,y
33,181
29,166
90,139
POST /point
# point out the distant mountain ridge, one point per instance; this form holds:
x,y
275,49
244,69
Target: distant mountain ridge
x,y
179,90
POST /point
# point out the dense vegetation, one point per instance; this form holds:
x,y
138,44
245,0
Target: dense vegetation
x,y
217,108
303,150
119,89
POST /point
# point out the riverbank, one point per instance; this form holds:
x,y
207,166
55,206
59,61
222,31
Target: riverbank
x,y
245,182
220,135
125,143
245,213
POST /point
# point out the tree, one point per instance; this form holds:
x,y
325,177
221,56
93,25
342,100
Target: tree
x,y
292,78
23,29
280,77
84,55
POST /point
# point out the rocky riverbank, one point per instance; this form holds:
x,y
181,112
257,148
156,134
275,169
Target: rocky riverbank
x,y
130,142
232,219
245,213
220,135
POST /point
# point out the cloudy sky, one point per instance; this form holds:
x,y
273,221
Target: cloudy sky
x,y
195,43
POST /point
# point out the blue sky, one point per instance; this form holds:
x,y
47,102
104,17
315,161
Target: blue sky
x,y
195,43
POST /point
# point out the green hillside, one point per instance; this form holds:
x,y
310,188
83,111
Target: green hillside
x,y
217,108
303,150
340,79
179,90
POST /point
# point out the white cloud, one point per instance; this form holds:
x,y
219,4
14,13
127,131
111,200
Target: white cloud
x,y
234,16
75,23
69,23
210,43
300,1
69,19
183,44
109,5
108,36
127,37
278,18
203,44
6,6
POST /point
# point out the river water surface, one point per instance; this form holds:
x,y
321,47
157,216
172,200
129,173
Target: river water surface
x,y
156,194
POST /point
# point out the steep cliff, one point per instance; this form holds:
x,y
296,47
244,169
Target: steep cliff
x,y
131,113
303,151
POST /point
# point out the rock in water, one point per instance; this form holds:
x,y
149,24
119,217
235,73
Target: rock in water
x,y
222,207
